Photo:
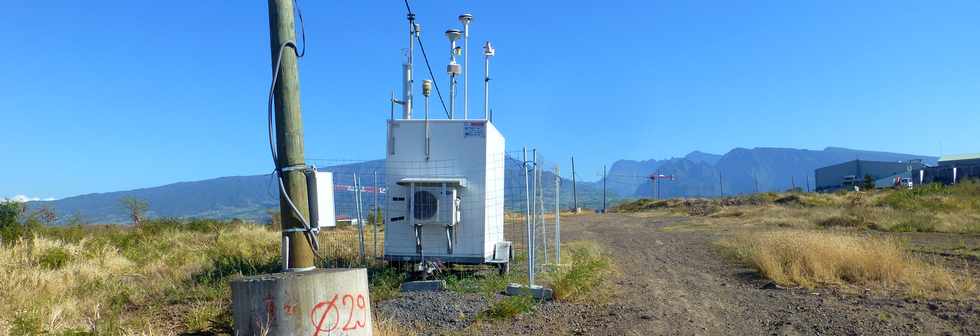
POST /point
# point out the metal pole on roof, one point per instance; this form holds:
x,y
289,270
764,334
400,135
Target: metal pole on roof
x,y
465,19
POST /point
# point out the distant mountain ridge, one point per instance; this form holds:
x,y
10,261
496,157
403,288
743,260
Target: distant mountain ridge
x,y
251,197
739,171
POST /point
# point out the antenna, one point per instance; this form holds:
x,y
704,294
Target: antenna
x,y
413,31
465,19
453,69
488,52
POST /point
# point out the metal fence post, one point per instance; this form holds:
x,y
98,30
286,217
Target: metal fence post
x,y
527,221
376,214
544,223
360,215
557,218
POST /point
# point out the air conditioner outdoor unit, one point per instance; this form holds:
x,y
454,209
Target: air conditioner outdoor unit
x,y
437,205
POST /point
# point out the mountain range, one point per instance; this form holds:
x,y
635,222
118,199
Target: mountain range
x,y
740,171
252,197
702,174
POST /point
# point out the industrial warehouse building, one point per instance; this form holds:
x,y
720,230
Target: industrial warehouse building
x,y
951,169
851,173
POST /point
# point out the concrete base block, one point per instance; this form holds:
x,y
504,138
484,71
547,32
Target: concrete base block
x,y
424,286
538,292
321,301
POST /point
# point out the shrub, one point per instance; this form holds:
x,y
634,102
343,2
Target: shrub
x,y
385,283
932,197
586,275
12,225
54,258
840,221
511,306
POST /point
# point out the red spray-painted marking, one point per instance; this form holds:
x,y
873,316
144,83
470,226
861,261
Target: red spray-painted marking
x,y
320,312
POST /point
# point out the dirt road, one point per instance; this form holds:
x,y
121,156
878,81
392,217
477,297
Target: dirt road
x,y
675,282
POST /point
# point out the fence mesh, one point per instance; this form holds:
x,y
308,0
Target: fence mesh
x,y
363,207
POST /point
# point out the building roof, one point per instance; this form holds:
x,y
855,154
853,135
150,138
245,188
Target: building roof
x,y
959,157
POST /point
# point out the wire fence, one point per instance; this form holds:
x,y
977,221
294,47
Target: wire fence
x,y
533,209
516,199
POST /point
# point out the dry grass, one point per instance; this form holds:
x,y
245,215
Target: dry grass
x,y
389,327
931,208
93,285
167,278
817,258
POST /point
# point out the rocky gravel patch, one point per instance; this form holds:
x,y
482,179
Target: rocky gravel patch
x,y
432,311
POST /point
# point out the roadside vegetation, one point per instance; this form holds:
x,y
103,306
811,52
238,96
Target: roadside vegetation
x,y
921,242
930,208
165,276
168,276
845,260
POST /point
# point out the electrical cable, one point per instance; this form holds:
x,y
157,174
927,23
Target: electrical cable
x,y
308,231
426,58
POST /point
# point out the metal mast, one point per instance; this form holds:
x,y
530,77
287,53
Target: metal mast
x,y
488,52
413,30
453,69
465,19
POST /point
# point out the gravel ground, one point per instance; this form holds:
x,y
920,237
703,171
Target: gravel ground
x,y
676,283
432,312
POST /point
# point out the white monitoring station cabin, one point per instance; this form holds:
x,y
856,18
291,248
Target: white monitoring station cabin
x,y
444,177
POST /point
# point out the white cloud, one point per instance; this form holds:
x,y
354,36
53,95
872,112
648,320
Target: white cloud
x,y
25,198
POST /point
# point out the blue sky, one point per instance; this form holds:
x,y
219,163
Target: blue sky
x,y
110,95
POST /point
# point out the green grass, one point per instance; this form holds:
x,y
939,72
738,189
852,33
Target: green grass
x,y
385,283
510,307
964,196
586,274
53,258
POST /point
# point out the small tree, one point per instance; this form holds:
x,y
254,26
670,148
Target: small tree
x,y
136,208
10,214
869,183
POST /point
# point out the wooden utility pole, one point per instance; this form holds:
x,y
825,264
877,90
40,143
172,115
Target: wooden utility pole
x,y
289,134
721,186
574,191
603,188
